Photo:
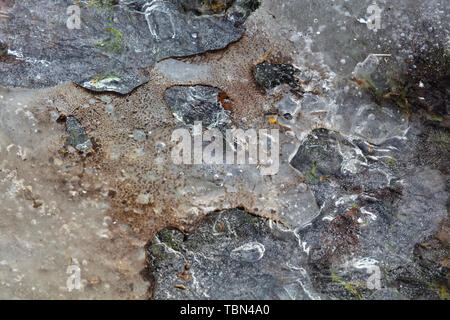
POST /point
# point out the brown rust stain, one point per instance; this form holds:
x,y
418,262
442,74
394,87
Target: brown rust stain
x,y
224,100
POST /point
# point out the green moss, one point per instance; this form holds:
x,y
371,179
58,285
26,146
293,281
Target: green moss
x,y
436,117
102,4
114,43
347,285
441,290
390,162
216,6
441,139
432,70
166,237
378,91
248,218
105,77
312,175
157,252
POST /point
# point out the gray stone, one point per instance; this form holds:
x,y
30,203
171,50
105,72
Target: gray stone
x,y
325,153
78,137
269,75
232,255
116,42
197,103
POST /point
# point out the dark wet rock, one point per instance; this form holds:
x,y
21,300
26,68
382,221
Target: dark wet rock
x,y
399,208
231,255
324,153
115,44
198,103
395,233
270,76
399,202
78,137
340,175
288,116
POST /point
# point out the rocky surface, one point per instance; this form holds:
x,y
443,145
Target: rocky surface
x,y
358,205
229,249
106,45
270,76
78,137
198,103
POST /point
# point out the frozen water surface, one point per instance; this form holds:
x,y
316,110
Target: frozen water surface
x,y
358,208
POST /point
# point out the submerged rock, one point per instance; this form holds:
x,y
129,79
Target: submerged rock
x,y
198,103
78,137
232,255
107,45
269,75
383,243
324,153
368,218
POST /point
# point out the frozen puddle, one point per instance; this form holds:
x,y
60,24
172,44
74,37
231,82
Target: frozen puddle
x,y
96,207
